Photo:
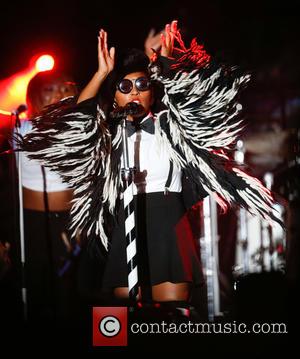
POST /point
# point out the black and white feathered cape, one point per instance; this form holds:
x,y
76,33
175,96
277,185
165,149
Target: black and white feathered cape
x,y
200,120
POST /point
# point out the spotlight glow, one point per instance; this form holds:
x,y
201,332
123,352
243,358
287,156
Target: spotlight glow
x,y
44,63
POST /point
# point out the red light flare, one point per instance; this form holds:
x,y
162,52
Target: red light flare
x,y
13,89
44,63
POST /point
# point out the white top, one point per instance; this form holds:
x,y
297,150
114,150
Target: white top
x,y
32,176
152,164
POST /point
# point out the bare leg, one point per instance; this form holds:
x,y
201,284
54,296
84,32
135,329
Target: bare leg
x,y
122,293
163,292
167,292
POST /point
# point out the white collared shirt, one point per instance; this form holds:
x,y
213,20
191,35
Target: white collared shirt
x,y
152,164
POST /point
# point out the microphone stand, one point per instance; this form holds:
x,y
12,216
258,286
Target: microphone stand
x,y
21,217
127,173
130,232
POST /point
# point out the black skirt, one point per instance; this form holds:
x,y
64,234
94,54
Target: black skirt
x,y
167,250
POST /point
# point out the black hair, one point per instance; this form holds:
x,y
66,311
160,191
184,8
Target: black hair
x,y
127,61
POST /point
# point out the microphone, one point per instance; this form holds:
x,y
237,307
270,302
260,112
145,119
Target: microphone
x,y
131,108
21,108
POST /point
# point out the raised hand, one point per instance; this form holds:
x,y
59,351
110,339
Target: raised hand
x,y
167,39
106,63
106,59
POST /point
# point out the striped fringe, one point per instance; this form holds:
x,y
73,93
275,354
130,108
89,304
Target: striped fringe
x,y
202,119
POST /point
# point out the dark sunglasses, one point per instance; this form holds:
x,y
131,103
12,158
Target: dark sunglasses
x,y
141,84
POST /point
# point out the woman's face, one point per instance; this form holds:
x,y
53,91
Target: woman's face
x,y
55,91
143,97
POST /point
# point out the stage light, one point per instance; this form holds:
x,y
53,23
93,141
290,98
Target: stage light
x,y
44,63
13,88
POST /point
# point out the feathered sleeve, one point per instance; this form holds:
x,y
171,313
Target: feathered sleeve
x,y
201,120
75,141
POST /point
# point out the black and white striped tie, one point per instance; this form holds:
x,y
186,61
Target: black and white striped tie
x,y
130,233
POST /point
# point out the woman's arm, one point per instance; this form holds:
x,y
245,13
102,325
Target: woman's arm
x,y
75,141
106,60
202,119
201,97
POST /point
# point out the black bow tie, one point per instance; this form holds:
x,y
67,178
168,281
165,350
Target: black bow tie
x,y
133,126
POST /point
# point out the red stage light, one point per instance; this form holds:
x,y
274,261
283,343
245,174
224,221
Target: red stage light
x,y
44,63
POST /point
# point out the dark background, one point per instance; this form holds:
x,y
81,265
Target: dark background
x,y
261,36
258,35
